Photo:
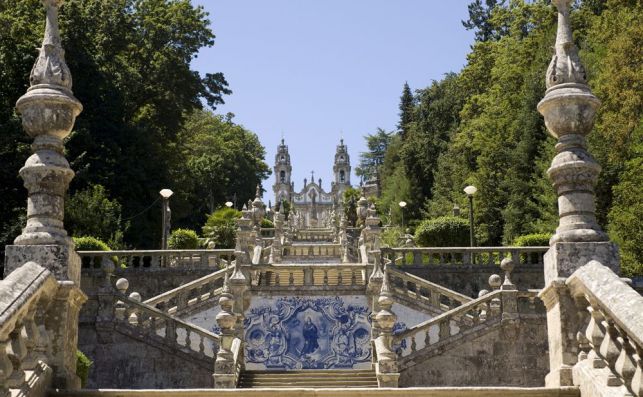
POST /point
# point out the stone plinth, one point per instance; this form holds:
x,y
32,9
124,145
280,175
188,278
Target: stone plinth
x,y
61,260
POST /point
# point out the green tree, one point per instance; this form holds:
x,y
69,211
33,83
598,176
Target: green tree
x,y
221,228
406,110
90,212
371,161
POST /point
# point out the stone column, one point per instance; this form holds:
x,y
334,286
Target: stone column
x,y
569,108
280,218
371,232
387,369
48,112
224,368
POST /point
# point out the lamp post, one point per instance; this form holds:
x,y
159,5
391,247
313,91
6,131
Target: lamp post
x,y
470,191
229,204
167,216
402,204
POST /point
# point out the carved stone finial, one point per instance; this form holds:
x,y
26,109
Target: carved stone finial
x,y
507,265
565,66
569,108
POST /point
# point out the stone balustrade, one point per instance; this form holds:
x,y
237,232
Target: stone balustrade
x,y
267,232
333,276
189,296
157,259
442,327
151,322
610,339
419,290
312,249
25,342
315,235
459,256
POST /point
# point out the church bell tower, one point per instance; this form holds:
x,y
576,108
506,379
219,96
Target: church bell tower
x,y
283,171
342,170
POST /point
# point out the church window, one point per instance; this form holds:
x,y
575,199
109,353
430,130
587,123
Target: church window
x,y
282,176
342,176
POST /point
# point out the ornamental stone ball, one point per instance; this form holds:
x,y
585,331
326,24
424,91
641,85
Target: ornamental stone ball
x,y
482,293
495,281
135,296
122,285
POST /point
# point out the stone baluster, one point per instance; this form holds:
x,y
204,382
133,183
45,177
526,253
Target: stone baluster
x,y
495,306
17,355
133,311
484,307
568,109
224,371
637,378
119,308
387,366
6,367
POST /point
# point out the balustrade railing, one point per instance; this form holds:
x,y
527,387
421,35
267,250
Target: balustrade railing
x,y
156,259
189,295
153,322
421,290
442,327
322,275
611,336
267,232
427,256
315,235
25,344
308,250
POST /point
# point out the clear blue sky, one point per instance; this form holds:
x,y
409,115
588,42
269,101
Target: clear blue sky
x,y
314,68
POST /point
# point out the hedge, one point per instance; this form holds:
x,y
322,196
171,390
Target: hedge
x,y
267,224
183,239
445,231
532,240
89,243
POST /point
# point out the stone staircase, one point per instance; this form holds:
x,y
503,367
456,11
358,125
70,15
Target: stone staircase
x,y
308,379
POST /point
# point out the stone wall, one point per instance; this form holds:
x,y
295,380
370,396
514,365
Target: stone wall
x,y
470,279
503,356
129,361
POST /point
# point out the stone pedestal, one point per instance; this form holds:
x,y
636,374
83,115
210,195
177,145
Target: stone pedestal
x,y
61,260
563,259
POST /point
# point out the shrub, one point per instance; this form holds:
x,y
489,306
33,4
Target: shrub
x,y
391,237
532,240
90,212
89,243
183,239
267,223
82,367
445,231
221,227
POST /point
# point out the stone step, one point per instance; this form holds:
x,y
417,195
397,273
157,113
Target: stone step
x,y
308,379
332,392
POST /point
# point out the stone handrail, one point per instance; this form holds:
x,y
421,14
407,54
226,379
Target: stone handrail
x,y
324,275
421,256
189,295
155,259
153,322
313,249
237,358
419,289
613,336
24,297
453,322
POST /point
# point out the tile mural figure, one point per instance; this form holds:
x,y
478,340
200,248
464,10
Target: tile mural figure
x,y
308,333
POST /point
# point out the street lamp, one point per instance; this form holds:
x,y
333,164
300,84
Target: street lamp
x,y
167,216
229,204
402,204
470,191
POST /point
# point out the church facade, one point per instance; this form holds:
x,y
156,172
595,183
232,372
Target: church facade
x,y
312,206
